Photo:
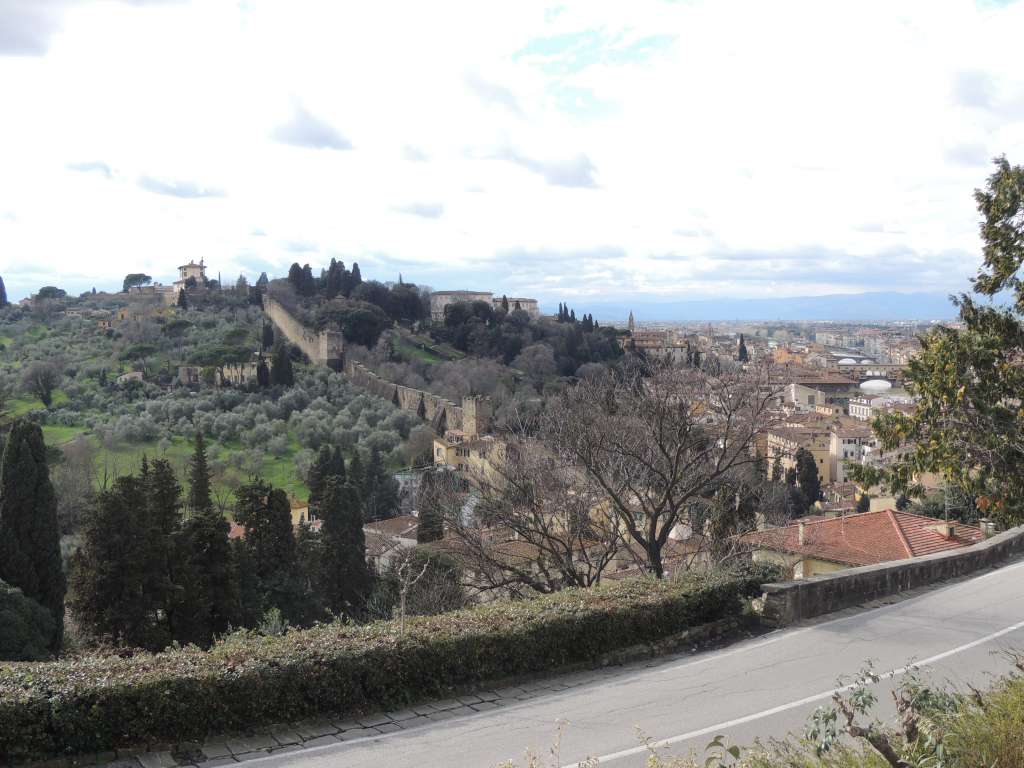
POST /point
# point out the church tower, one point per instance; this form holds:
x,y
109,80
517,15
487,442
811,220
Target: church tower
x,y
632,322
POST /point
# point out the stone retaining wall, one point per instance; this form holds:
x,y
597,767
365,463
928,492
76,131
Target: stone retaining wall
x,y
787,602
436,408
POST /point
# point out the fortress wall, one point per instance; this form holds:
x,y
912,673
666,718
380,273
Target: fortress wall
x,y
321,347
327,348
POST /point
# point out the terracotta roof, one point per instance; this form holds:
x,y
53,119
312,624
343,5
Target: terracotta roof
x,y
866,538
403,526
236,531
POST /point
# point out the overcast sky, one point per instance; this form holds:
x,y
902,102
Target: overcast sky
x,y
558,149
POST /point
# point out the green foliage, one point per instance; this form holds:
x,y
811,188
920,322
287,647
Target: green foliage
x,y
281,371
430,499
379,490
3,294
51,292
340,669
345,579
361,322
135,279
968,422
199,498
30,556
26,628
807,477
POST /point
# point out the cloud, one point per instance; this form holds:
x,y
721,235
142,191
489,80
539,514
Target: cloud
x,y
974,89
414,154
177,187
576,171
92,166
304,129
300,246
968,154
257,232
26,26
493,94
426,210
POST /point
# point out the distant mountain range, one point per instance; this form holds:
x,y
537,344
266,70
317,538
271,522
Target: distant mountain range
x,y
852,307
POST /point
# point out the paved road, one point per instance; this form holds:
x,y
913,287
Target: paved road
x,y
760,688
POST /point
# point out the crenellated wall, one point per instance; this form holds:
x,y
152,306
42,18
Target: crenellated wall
x,y
321,347
408,398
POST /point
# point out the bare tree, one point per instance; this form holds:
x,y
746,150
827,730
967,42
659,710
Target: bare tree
x,y
74,481
535,523
656,445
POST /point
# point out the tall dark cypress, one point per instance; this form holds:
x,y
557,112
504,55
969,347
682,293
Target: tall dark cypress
x,y
29,534
429,504
281,372
200,498
345,578
318,474
3,294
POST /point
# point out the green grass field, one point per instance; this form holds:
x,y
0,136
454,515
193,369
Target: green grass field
x,y
19,406
279,471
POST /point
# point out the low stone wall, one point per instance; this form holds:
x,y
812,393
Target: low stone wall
x,y
787,602
436,408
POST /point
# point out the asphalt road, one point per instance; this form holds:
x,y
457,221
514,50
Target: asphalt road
x,y
760,688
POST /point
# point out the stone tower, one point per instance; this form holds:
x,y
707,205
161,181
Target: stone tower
x,y
632,322
476,415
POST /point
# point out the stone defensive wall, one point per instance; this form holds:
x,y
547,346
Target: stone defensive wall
x,y
321,347
440,413
327,348
790,601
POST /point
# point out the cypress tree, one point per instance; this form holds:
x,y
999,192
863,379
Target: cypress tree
x,y
504,303
182,299
807,476
262,374
3,294
356,473
380,490
295,276
357,276
200,498
394,398
345,578
268,336
115,580
318,474
429,501
281,373
266,515
421,408
338,463
741,351
29,533
205,603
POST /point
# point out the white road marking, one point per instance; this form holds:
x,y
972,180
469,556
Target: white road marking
x,y
719,727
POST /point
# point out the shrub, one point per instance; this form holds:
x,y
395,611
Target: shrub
x,y
26,628
99,702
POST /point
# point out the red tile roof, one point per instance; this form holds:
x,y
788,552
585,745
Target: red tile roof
x,y
236,531
866,538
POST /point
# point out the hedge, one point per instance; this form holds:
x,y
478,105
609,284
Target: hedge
x,y
98,703
26,627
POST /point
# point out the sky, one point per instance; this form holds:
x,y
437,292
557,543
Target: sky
x,y
573,151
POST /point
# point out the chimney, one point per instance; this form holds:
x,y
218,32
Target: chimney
x,y
945,529
800,533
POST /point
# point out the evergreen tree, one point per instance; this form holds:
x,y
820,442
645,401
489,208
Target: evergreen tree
x,y
319,471
200,498
117,585
421,408
357,276
182,299
864,503
266,515
262,373
356,473
29,533
777,470
394,398
741,350
268,336
205,603
380,490
307,283
504,303
345,578
429,505
281,372
295,276
3,294
807,476
338,463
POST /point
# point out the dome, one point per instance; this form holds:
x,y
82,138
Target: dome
x,y
876,385
866,362
847,361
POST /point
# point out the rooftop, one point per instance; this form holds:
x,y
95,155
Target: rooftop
x,y
865,539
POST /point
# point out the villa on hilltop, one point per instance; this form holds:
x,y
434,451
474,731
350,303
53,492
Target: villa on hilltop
x,y
439,300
